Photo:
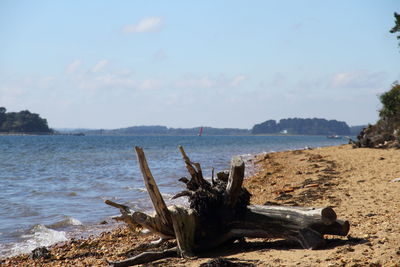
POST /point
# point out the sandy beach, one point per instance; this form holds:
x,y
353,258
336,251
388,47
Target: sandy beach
x,y
357,183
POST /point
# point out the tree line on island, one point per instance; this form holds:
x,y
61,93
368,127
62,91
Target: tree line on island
x,y
294,126
22,122
299,126
31,123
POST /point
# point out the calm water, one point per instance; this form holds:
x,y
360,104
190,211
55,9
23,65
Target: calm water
x,y
53,187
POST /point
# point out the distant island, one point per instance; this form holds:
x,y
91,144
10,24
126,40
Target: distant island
x,y
161,130
293,126
299,126
22,122
25,122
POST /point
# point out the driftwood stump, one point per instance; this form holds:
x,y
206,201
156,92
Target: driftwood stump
x,y
220,212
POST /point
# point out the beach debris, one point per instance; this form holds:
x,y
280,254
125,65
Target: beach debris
x,y
220,213
311,185
222,262
145,257
396,180
40,252
376,136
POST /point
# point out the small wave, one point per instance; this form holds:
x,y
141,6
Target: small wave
x,y
69,221
38,236
140,189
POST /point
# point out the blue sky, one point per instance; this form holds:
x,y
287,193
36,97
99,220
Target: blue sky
x,y
113,64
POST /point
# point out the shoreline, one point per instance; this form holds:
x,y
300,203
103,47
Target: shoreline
x,y
46,234
356,182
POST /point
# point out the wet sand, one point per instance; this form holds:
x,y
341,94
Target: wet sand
x,y
356,182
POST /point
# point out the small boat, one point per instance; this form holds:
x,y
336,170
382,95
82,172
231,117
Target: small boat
x,y
334,136
200,131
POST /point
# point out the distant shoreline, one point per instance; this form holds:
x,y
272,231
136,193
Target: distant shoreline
x,y
85,134
38,134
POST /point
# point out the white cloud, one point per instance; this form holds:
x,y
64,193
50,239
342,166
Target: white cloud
x,y
104,81
210,81
73,66
358,79
100,65
150,24
238,79
10,92
150,84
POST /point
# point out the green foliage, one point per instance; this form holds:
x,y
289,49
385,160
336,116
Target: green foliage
x,y
391,102
22,122
390,112
396,28
2,116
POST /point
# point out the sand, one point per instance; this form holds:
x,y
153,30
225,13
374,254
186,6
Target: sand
x,y
356,182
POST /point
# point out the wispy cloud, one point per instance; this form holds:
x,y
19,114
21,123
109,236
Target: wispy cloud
x,y
73,66
150,24
100,65
358,79
238,79
210,81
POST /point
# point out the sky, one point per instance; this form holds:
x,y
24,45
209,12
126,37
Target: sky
x,y
114,64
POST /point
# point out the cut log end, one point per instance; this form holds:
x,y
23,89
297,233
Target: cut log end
x,y
328,215
235,181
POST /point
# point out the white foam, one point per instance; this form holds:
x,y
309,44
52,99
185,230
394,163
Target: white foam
x,y
38,236
140,189
68,221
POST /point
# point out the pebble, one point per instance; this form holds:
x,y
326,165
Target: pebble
x,y
383,240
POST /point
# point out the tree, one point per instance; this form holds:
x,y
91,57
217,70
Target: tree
x,y
396,28
267,127
23,121
2,117
390,111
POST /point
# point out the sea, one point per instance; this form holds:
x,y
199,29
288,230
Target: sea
x,y
52,188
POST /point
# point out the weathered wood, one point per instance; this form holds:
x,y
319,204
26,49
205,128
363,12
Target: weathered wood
x,y
223,175
188,163
152,189
154,224
305,225
212,177
185,227
220,213
195,171
235,181
133,219
126,214
145,257
185,193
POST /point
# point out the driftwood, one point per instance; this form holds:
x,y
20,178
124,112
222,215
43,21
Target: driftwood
x,y
145,257
220,213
